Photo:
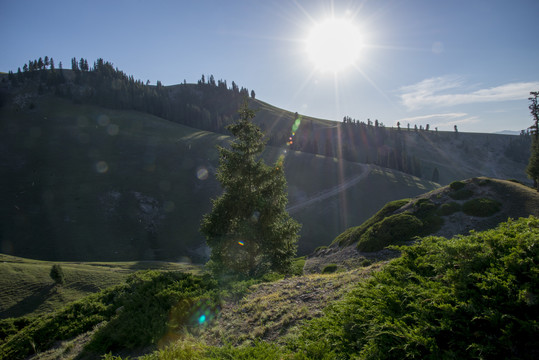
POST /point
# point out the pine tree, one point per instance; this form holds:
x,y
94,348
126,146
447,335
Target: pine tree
x,y
248,230
533,165
57,274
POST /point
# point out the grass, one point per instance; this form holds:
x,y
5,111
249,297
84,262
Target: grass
x,y
26,288
270,311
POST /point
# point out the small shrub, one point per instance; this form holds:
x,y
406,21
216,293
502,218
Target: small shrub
x,y
484,182
297,266
57,274
320,248
353,234
424,208
394,228
449,208
482,207
330,268
461,194
457,185
365,262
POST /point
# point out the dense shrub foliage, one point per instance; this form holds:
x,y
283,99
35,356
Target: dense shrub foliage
x,y
481,207
461,194
155,305
384,229
449,208
150,307
352,235
399,227
467,297
330,268
457,185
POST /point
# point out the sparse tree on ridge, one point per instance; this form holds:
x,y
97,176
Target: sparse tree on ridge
x,y
253,94
248,230
533,165
57,274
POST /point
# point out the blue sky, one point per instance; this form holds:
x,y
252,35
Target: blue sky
x,y
467,63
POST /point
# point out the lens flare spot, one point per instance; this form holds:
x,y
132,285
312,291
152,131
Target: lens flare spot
x,y
202,173
202,319
102,167
103,120
295,127
241,243
113,129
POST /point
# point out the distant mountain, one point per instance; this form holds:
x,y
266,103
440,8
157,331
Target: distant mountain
x,y
508,132
98,166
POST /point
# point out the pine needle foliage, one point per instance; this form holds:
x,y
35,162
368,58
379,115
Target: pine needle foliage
x,y
533,165
248,230
469,297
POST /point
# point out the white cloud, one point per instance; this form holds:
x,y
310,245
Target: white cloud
x,y
448,91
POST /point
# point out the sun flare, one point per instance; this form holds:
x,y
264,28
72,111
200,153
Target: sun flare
x,y
334,45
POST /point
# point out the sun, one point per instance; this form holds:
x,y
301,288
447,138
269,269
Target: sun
x,y
334,45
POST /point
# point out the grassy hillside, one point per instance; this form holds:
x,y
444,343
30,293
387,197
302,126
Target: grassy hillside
x,y
87,183
467,297
26,288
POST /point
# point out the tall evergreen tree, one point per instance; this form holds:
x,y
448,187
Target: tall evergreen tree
x,y
533,165
248,230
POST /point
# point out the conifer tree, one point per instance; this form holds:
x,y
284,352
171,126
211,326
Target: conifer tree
x,y
248,230
533,165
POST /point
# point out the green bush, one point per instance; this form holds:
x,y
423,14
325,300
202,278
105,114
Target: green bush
x,y
353,234
457,185
468,297
330,268
365,262
156,303
461,194
449,208
482,207
137,314
297,266
57,274
394,228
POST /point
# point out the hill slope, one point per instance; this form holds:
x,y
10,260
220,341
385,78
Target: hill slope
x,y
86,183
475,204
26,288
